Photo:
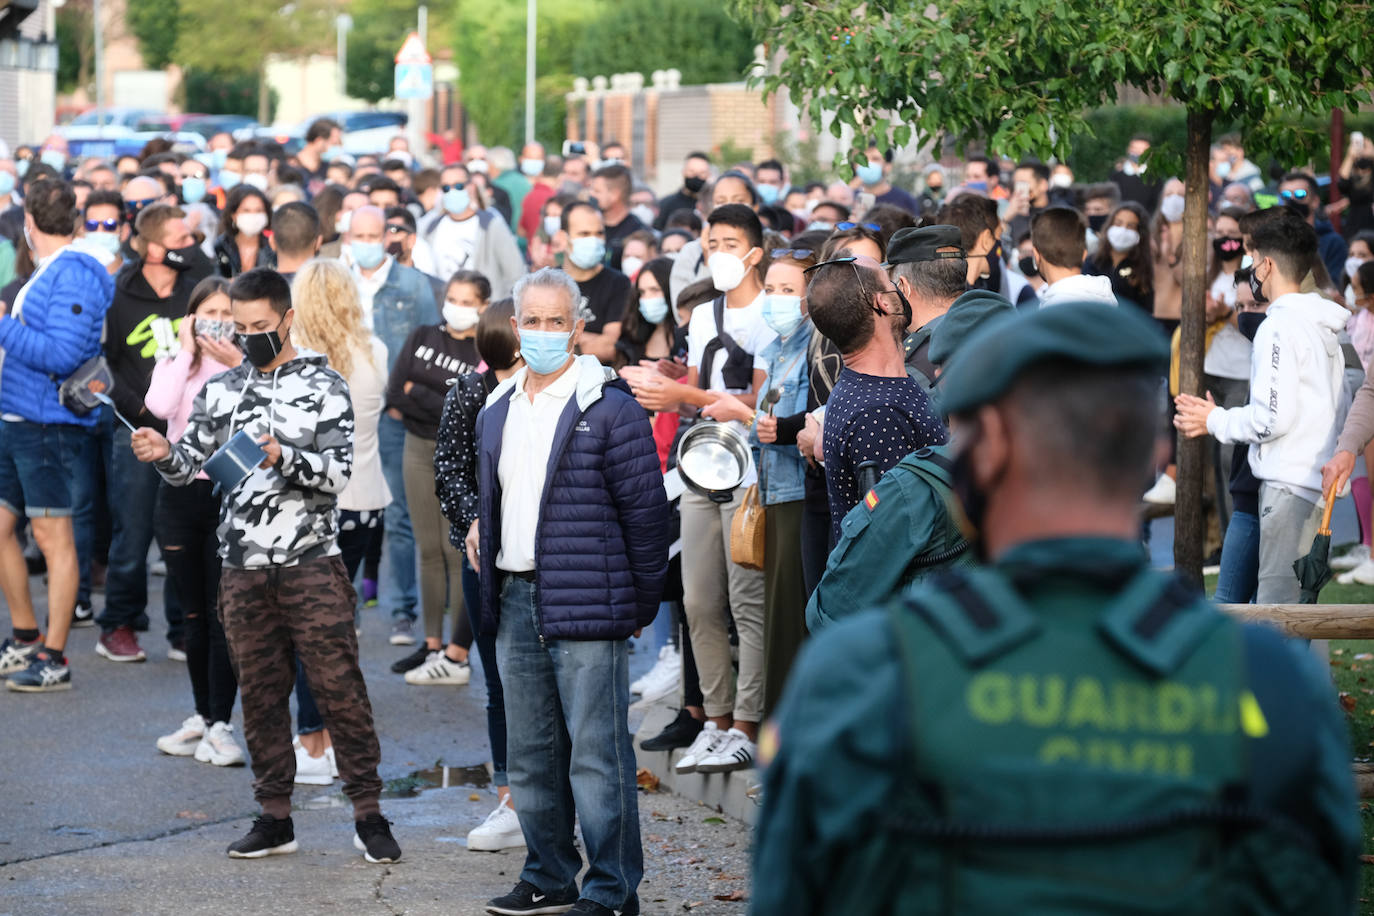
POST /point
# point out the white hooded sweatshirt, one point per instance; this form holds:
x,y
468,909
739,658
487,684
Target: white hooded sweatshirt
x,y
1078,288
1297,394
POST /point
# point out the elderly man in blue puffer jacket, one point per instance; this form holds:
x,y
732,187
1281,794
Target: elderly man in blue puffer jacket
x,y
572,545
52,328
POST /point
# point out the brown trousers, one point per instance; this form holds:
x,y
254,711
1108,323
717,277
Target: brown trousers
x,y
272,616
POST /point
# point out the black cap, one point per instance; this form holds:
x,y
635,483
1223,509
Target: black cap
x,y
924,244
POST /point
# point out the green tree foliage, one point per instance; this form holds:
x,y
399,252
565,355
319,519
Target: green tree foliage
x,y
1023,75
700,40
223,93
237,37
156,24
75,45
379,28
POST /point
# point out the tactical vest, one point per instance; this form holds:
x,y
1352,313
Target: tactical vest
x,y
875,559
1075,763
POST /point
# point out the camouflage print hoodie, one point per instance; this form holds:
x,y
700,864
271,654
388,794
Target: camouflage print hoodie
x,y
287,513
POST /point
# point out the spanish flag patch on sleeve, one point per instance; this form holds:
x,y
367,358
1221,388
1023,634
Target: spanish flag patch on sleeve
x,y
871,500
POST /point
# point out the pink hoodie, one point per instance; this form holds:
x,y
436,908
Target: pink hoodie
x,y
173,390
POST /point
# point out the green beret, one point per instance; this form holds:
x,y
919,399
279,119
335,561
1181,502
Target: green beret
x,y
988,363
965,315
912,244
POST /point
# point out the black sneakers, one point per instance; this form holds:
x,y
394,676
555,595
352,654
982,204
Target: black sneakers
x,y
411,661
83,615
373,839
680,732
269,836
527,899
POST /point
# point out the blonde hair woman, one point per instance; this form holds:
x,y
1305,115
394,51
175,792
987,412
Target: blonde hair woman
x,y
329,320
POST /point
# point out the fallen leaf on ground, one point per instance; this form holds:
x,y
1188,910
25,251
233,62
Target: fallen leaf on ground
x,y
646,779
193,815
474,797
1347,702
733,895
1367,860
1365,657
728,878
718,820
693,904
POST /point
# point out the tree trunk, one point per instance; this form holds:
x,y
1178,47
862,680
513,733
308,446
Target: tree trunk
x,y
264,96
1189,519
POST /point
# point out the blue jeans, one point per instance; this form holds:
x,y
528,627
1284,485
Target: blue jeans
x,y
398,592
569,752
132,498
491,674
1239,575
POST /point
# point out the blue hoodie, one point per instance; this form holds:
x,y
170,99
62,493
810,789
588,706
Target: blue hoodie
x,y
58,328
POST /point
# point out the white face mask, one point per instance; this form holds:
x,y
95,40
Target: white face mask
x,y
551,225
643,214
1352,264
727,271
256,180
460,317
1172,207
341,224
1061,180
1122,238
251,223
630,266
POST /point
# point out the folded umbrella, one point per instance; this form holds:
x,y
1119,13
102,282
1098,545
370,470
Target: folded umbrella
x,y
1314,569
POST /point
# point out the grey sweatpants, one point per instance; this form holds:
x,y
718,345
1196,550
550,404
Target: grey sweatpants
x,y
1287,525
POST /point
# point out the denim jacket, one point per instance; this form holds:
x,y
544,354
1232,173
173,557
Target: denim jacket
x,y
404,302
782,470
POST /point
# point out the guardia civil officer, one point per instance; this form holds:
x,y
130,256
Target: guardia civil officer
x,y
1063,730
905,528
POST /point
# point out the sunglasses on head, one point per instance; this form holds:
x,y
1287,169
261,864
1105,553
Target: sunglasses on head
x,y
847,260
102,225
1294,194
800,253
457,186
396,229
846,226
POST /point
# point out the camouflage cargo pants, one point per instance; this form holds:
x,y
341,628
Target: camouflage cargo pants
x,y
271,616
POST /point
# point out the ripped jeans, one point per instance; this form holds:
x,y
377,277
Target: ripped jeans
x,y
185,522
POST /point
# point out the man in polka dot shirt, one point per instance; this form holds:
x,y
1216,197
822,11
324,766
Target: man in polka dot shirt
x,y
876,412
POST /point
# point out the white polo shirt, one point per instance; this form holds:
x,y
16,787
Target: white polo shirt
x,y
526,441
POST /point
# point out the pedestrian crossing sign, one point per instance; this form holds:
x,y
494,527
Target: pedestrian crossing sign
x,y
414,81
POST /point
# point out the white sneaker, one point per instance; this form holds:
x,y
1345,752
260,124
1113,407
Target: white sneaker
x,y
313,771
183,741
501,830
1352,558
440,671
1163,492
1364,573
219,747
735,752
662,679
708,739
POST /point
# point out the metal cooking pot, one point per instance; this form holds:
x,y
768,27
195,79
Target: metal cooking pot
x,y
713,459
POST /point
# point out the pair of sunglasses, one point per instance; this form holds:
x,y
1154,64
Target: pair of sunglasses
x,y
1294,194
800,253
846,226
458,186
99,225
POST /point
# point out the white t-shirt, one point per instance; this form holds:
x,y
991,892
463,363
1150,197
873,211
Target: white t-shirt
x,y
1229,355
454,244
745,325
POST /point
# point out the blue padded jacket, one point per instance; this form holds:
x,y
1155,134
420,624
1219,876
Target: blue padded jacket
x,y
58,329
601,545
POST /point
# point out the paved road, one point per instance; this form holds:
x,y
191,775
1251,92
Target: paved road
x,y
95,820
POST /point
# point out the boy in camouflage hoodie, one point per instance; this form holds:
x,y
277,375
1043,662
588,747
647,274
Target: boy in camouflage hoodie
x,y
284,592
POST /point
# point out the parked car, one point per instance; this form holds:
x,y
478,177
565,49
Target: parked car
x,y
240,127
365,132
94,132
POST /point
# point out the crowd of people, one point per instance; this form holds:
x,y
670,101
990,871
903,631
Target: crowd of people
x,y
487,370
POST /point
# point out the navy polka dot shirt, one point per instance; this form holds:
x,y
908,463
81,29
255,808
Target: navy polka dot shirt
x,y
872,418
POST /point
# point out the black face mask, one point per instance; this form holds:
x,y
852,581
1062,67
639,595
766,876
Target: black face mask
x,y
396,250
1027,265
1095,223
1257,288
261,348
973,500
1227,247
993,281
694,184
1248,323
906,307
1300,207
179,259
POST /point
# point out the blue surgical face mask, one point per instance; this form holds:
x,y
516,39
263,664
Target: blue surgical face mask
x,y
108,241
220,156
230,180
588,251
6,184
819,225
331,153
768,193
979,186
456,200
22,167
532,168
193,189
55,158
367,255
653,310
551,225
544,352
872,173
782,313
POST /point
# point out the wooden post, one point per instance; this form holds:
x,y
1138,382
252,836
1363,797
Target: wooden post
x,y
1189,520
